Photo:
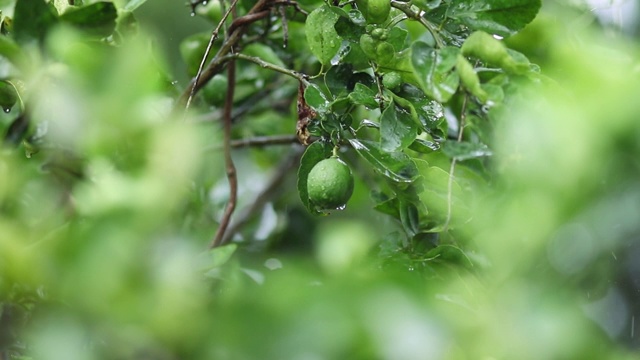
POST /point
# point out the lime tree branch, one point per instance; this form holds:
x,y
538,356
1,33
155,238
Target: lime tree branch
x,y
415,15
303,78
273,187
236,30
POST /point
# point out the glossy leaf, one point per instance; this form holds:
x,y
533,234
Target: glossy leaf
x,y
315,98
500,17
322,37
32,19
396,166
338,79
133,4
409,217
397,129
362,95
98,19
433,70
316,152
466,150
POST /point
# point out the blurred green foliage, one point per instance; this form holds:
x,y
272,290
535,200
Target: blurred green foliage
x,y
110,193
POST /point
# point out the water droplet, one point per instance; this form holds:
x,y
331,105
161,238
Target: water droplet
x,y
341,207
7,110
193,13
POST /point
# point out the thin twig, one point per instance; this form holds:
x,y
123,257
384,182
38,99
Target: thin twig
x,y
216,64
269,191
231,169
461,125
258,141
294,74
212,39
261,141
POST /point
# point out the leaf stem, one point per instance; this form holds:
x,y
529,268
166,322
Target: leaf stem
x,y
294,74
406,8
461,125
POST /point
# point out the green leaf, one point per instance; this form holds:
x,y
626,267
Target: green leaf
x,y
389,207
398,38
500,17
435,194
363,95
133,4
98,19
450,253
396,165
217,257
338,79
315,98
397,128
10,50
315,153
433,70
32,19
322,37
466,150
409,217
424,146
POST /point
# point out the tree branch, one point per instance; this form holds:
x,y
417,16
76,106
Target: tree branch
x,y
231,169
212,39
406,9
266,194
216,64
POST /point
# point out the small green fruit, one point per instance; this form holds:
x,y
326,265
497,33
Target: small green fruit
x,y
391,80
330,184
378,11
215,91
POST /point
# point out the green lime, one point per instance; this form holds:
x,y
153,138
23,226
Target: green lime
x,y
330,184
215,91
391,80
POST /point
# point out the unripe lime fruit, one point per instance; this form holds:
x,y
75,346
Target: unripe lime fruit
x,y
378,11
215,91
330,184
391,80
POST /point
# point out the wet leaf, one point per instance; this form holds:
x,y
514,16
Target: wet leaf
x,y
98,19
500,17
395,165
315,98
363,95
32,19
409,217
466,150
133,4
322,37
433,70
397,128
